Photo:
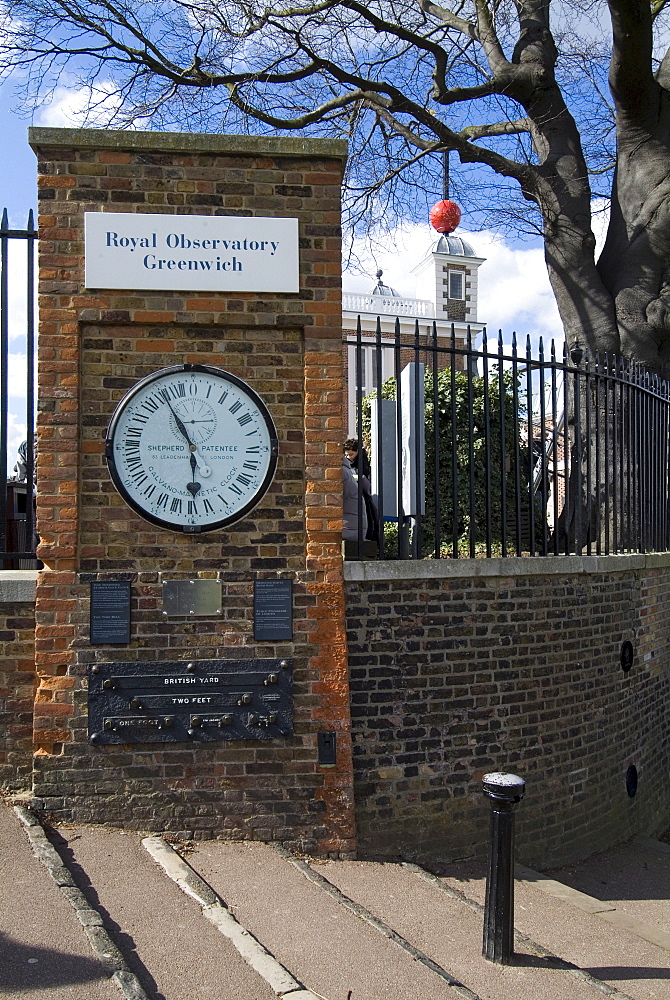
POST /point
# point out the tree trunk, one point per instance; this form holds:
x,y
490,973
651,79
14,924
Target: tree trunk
x,y
635,262
584,304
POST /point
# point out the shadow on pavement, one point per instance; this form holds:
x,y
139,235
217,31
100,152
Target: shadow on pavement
x,y
630,871
123,941
26,967
628,972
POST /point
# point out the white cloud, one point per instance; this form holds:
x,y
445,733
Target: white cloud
x,y
395,253
17,260
16,433
16,375
17,286
599,222
73,107
514,289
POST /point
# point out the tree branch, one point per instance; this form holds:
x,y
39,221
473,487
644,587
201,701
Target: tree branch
x,y
467,150
488,38
450,19
522,125
323,112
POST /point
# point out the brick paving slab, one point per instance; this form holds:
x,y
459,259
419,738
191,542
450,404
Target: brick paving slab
x,y
616,956
450,933
174,952
635,877
178,955
45,952
324,945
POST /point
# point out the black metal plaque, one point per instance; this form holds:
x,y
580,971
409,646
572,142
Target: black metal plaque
x,y
110,613
273,610
327,748
190,701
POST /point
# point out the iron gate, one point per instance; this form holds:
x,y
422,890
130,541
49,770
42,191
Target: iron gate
x,y
17,325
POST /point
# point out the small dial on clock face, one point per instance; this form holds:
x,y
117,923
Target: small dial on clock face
x,y
191,448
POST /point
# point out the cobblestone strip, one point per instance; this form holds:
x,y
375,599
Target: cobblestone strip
x,y
252,951
379,925
104,948
533,946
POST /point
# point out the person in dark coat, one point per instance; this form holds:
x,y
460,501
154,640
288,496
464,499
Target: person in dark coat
x,y
360,464
356,459
350,504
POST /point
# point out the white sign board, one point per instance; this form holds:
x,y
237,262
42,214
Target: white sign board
x,y
386,484
413,441
191,253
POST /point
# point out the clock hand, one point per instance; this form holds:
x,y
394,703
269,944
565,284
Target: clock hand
x,y
193,487
204,468
180,425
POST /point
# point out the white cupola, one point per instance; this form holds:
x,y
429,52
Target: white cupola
x,y
447,277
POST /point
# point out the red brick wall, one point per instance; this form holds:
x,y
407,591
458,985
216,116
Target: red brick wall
x,y
18,684
93,347
515,668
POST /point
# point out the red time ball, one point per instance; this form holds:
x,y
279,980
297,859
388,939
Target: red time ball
x,y
445,216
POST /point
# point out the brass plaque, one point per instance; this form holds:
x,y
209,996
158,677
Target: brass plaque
x,y
191,598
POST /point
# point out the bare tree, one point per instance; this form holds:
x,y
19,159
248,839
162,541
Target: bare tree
x,y
404,81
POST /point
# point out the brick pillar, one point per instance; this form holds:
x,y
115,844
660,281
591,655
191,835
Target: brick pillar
x,y
93,347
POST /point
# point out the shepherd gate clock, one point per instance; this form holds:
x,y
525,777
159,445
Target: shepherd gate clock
x,y
191,448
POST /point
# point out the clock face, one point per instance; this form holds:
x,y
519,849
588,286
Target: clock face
x,y
191,448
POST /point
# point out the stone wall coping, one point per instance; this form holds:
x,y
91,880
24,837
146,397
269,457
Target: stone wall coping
x,y
17,585
186,142
453,569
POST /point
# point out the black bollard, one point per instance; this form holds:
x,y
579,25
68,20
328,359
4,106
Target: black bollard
x,y
503,792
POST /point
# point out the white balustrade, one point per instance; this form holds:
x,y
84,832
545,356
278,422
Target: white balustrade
x,y
387,304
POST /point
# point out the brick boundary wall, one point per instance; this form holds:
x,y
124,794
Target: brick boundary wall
x,y
18,680
458,668
93,347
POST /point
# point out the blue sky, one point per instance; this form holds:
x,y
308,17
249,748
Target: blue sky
x,y
17,164
514,288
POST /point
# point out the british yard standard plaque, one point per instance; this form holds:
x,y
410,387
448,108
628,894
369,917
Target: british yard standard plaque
x,y
110,612
273,610
196,701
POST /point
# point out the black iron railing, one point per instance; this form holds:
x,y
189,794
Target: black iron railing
x,y
17,324
488,450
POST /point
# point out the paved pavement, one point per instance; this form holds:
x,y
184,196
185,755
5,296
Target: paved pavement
x,y
98,914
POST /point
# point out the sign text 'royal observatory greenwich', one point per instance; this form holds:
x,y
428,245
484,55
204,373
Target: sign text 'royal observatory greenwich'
x,y
191,253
